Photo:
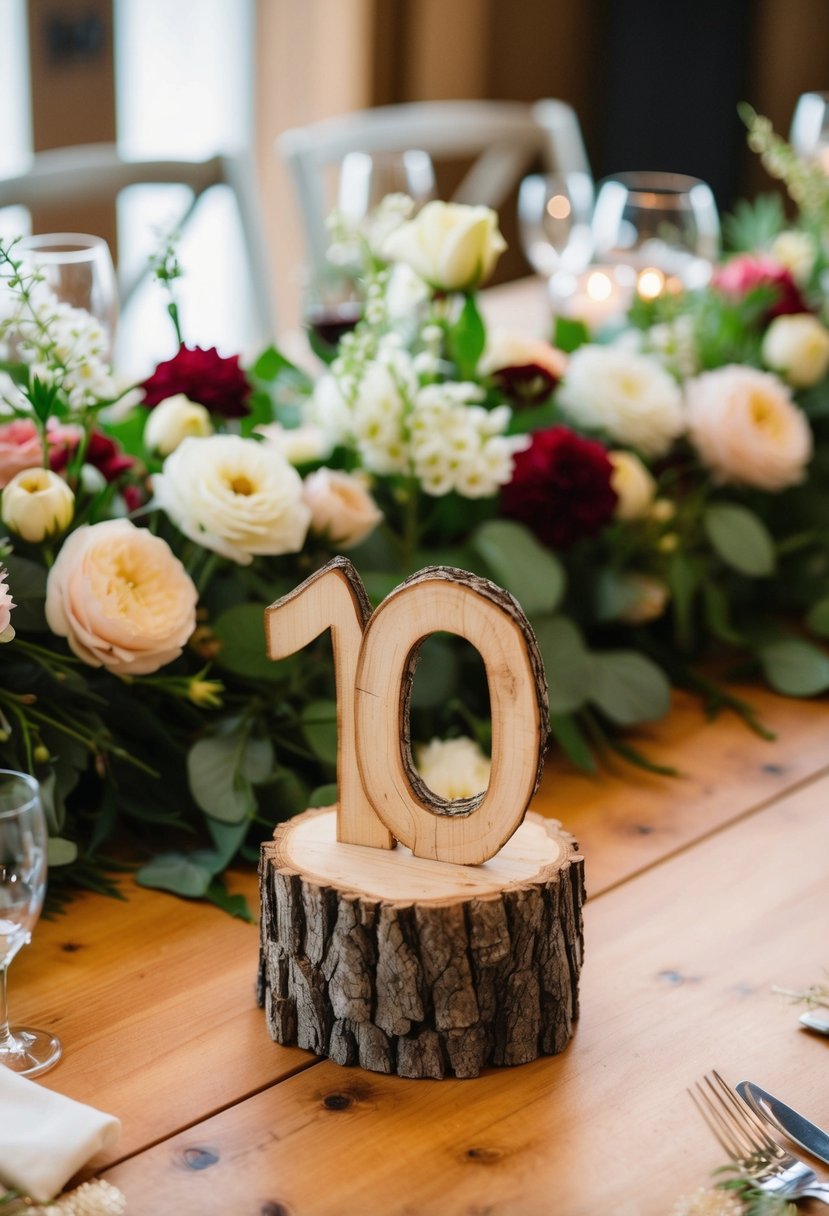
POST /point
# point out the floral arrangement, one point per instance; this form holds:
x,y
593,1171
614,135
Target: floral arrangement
x,y
654,497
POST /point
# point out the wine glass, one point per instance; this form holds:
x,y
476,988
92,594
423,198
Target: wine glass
x,y
809,134
23,843
663,225
366,178
554,213
77,270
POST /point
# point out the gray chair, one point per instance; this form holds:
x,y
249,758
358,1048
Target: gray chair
x,y
97,172
505,137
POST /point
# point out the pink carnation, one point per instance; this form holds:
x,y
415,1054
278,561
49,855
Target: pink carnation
x,y
748,271
20,448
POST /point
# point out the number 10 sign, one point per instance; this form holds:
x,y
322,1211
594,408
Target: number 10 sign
x,y
381,797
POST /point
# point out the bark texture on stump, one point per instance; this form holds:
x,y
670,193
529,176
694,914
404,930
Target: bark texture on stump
x,y
420,968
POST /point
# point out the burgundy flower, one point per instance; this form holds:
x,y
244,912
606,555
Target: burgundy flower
x,y
102,452
205,376
529,384
561,487
748,271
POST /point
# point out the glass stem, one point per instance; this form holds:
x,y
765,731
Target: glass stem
x,y
7,1041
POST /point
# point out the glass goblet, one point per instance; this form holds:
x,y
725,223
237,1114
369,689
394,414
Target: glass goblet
x,y
663,225
77,270
366,178
23,843
809,133
554,213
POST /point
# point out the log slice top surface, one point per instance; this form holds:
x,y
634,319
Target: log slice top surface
x,y
308,845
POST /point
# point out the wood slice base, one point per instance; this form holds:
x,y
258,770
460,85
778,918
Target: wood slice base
x,y
417,967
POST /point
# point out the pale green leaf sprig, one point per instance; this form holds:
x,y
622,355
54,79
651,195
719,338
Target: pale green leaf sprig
x,y
806,182
813,995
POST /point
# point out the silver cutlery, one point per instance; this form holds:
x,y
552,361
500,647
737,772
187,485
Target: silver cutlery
x,y
813,1020
794,1125
750,1147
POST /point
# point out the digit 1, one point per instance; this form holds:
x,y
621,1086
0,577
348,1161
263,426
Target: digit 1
x,y
466,831
333,598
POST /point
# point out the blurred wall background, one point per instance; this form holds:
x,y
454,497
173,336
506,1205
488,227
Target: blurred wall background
x,y
655,85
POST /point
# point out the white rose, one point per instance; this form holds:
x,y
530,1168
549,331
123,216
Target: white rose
x,y
121,598
328,409
175,419
633,484
452,246
797,346
453,768
235,496
796,251
628,395
37,504
342,509
747,429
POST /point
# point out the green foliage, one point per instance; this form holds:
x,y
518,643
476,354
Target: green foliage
x,y
753,224
521,564
466,339
740,538
795,668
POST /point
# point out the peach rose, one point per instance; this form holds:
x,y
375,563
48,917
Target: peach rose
x,y
747,429
20,448
6,605
342,509
121,598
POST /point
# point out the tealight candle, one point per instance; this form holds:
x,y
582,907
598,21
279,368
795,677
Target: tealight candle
x,y
599,296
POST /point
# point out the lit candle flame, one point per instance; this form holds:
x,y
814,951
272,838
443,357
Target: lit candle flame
x,y
558,207
599,286
651,283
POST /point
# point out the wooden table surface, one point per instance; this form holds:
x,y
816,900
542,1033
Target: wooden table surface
x,y
703,892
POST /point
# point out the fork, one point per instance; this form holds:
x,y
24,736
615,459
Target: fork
x,y
771,1168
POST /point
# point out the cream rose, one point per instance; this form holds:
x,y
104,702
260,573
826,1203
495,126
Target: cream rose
x,y
453,768
342,510
235,496
452,246
797,346
797,252
628,395
633,484
37,504
747,429
121,598
174,419
298,444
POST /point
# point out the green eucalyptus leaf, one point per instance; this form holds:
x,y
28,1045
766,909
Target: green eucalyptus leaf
x,y
257,760
628,687
175,872
27,583
234,905
319,725
227,839
795,668
241,631
61,852
818,618
216,783
568,664
570,737
740,539
436,674
323,795
521,564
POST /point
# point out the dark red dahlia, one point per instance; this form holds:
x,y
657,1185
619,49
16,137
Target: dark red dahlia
x,y
101,451
215,381
561,487
748,271
525,384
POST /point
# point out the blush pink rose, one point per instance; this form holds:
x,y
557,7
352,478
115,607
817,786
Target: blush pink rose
x,y
20,448
121,598
747,271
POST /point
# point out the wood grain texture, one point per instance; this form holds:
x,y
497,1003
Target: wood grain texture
x,y
417,967
469,830
679,968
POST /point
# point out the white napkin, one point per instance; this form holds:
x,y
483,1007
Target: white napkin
x,y
46,1137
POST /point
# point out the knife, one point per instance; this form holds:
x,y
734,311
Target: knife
x,y
786,1120
815,1021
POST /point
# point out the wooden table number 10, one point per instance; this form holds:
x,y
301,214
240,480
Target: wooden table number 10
x,y
381,798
